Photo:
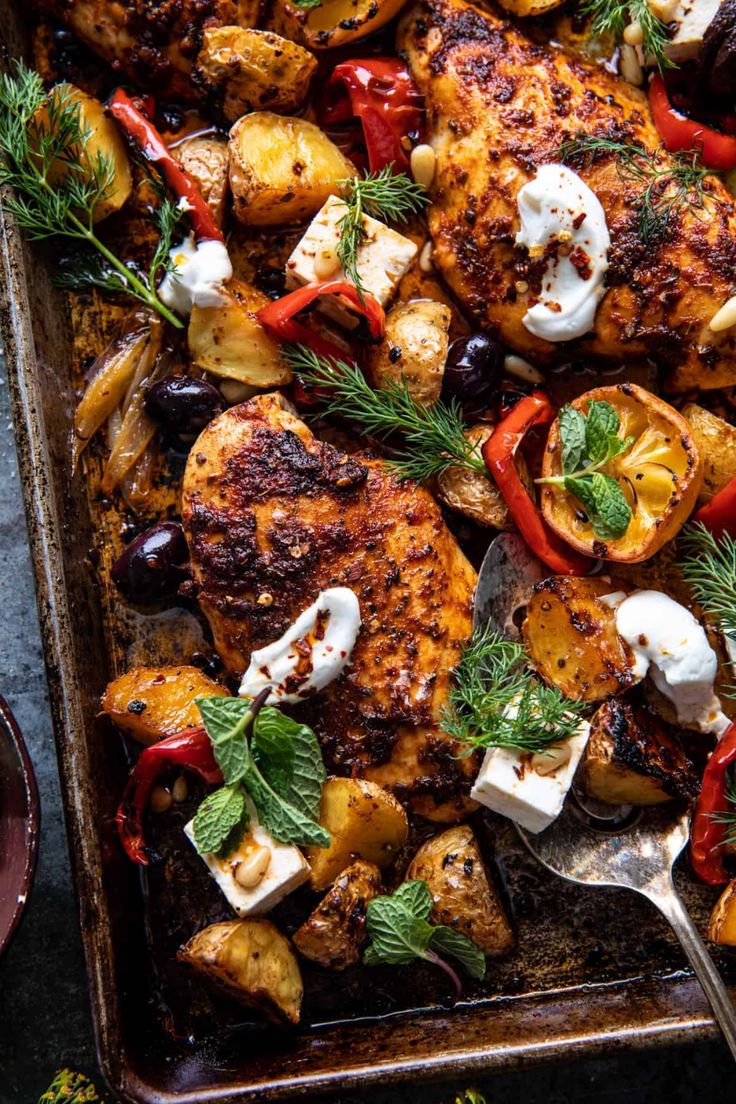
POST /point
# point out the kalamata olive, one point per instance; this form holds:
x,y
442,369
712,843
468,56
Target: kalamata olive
x,y
182,405
151,566
473,367
717,60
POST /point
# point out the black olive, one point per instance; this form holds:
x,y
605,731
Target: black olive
x,y
473,367
271,281
182,405
717,59
151,567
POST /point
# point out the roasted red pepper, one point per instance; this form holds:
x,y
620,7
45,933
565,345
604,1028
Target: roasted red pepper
x,y
152,147
499,456
190,750
382,94
279,317
719,515
678,132
707,831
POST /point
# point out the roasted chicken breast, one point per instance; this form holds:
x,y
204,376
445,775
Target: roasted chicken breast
x,y
273,516
499,105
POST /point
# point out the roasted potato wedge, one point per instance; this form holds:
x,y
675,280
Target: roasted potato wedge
x,y
151,703
230,342
633,758
572,639
206,158
414,349
364,820
282,169
475,495
249,70
333,22
660,475
464,897
722,925
251,961
335,932
716,442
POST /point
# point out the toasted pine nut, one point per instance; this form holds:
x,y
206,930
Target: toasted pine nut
x,y
423,164
725,318
161,800
547,762
265,599
633,34
325,261
522,369
522,287
630,65
252,869
425,257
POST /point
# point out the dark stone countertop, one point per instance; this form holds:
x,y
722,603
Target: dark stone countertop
x,y
44,1011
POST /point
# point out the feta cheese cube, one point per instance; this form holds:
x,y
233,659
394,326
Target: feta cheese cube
x,y
383,258
286,870
691,18
508,784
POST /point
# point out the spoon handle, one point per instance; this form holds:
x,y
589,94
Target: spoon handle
x,y
669,902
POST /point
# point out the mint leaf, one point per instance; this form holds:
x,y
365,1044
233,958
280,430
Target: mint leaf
x,y
397,935
601,425
216,817
289,757
447,941
612,511
226,720
572,439
582,488
286,823
415,896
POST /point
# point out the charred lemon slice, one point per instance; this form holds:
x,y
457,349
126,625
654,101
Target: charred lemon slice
x,y
659,474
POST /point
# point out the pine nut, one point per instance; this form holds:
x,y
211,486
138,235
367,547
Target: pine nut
x,y
547,762
161,800
725,318
265,599
325,262
423,164
522,369
630,66
233,391
180,789
633,34
522,287
426,263
252,870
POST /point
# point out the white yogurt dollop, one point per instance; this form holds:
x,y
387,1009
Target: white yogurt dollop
x,y
671,646
563,221
199,271
311,653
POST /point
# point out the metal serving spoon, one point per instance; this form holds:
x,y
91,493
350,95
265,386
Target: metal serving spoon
x,y
590,843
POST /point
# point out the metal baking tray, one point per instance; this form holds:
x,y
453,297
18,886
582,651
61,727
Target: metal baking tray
x,y
595,969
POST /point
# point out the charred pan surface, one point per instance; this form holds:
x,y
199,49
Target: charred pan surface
x,y
499,106
273,516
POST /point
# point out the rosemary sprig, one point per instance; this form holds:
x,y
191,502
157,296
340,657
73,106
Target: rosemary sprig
x,y
612,16
385,195
434,436
709,566
57,183
665,189
728,816
496,701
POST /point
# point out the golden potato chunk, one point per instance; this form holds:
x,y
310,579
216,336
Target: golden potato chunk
x,y
282,169
364,820
151,703
464,897
475,495
414,349
249,70
572,638
716,443
722,925
335,932
230,342
206,158
251,961
333,22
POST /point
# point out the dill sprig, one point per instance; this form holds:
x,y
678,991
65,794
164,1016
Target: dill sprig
x,y
709,566
57,182
666,189
434,436
496,701
612,16
392,197
727,816
70,1088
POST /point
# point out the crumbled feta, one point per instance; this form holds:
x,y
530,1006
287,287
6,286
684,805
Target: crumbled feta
x,y
691,19
383,258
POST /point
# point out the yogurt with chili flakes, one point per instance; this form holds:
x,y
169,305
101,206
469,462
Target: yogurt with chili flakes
x,y
563,225
311,653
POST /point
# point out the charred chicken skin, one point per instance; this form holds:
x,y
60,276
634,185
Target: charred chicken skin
x,y
498,107
273,516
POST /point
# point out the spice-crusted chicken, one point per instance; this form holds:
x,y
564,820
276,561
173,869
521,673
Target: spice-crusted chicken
x,y
273,516
153,44
498,106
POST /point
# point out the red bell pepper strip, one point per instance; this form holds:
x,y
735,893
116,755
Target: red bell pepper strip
x,y
719,515
381,93
498,453
191,750
678,132
279,317
707,831
152,147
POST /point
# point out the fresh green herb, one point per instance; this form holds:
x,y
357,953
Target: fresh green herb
x,y
666,188
496,701
588,443
709,566
385,195
612,16
728,816
57,184
279,768
470,1096
434,436
70,1088
307,5
399,930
